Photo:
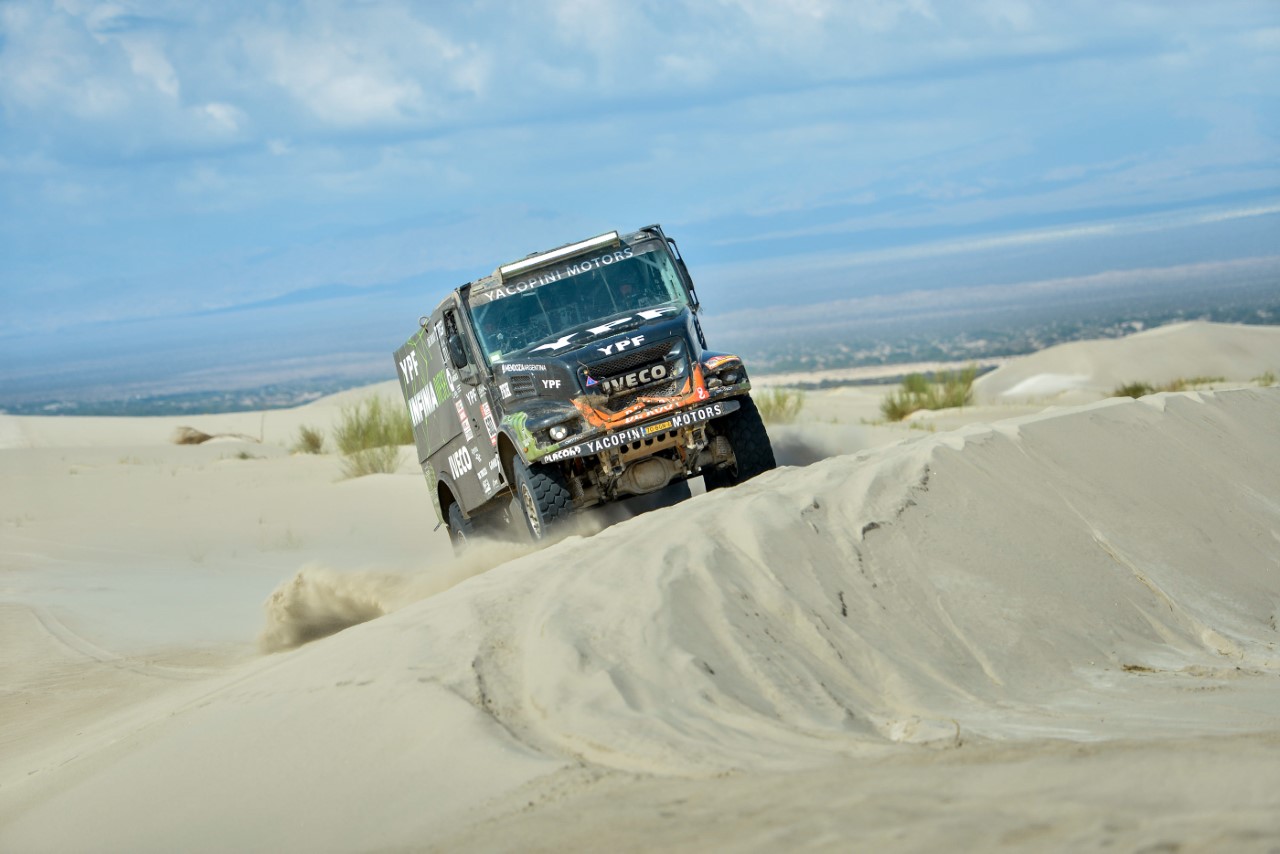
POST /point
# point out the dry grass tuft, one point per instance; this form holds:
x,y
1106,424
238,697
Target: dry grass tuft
x,y
310,441
1138,389
190,436
779,405
370,434
372,423
947,390
383,460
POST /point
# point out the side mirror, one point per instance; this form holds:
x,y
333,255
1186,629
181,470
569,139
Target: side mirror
x,y
457,354
469,374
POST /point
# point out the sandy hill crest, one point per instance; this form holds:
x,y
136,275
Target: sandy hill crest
x,y
1083,371
1081,576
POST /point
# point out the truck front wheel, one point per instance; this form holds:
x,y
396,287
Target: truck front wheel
x,y
752,452
543,497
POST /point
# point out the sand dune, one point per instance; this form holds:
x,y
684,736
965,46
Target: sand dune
x,y
1103,573
1058,630
1083,371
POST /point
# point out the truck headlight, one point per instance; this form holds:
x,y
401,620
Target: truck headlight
x,y
558,432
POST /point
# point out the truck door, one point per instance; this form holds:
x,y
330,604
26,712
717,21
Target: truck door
x,y
472,449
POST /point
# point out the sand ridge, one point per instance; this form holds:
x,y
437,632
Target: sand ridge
x,y
904,646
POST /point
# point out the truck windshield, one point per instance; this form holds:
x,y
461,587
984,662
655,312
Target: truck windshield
x,y
514,317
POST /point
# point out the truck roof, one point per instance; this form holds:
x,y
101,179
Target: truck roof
x,y
564,252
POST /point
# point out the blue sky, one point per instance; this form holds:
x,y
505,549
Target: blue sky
x,y
193,186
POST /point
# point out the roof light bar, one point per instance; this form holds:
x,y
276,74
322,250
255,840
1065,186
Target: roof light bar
x,y
533,262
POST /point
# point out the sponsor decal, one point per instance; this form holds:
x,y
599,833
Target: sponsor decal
x,y
651,411
473,397
452,377
490,425
551,383
462,419
595,331
485,485
422,405
631,434
619,346
556,345
592,381
520,368
700,393
505,390
441,386
546,277
409,366
716,361
460,462
635,379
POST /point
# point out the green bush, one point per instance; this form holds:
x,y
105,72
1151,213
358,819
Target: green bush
x,y
779,405
1137,389
947,390
370,434
310,441
383,460
1265,378
372,423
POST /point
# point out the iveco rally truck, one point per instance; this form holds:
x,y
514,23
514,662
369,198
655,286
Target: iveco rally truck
x,y
572,378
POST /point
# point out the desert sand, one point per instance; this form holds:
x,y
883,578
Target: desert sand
x,y
1014,628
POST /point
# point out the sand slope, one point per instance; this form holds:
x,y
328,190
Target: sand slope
x,y
1102,573
1083,371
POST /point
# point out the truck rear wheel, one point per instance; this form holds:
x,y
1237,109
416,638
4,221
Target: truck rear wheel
x,y
752,452
461,529
542,496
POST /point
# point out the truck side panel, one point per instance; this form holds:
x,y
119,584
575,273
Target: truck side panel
x,y
453,423
424,374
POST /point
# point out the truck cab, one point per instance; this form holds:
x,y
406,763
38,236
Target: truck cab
x,y
572,378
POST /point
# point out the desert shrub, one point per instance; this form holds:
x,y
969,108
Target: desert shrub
x,y
372,423
947,390
955,388
1184,383
899,404
370,434
1265,378
190,436
779,405
381,460
1136,389
310,441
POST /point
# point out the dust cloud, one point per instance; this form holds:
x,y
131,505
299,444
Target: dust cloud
x,y
319,601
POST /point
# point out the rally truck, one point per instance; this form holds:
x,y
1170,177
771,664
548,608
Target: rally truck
x,y
572,378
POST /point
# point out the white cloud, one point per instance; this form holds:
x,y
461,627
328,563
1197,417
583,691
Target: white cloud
x,y
148,61
223,118
354,67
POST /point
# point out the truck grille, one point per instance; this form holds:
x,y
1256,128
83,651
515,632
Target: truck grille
x,y
631,359
667,389
522,385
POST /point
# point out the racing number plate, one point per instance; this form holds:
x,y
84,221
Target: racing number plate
x,y
657,428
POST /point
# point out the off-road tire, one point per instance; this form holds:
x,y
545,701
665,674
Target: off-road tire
x,y
461,529
752,451
542,496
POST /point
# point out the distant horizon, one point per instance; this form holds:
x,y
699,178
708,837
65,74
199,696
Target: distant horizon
x,y
955,325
